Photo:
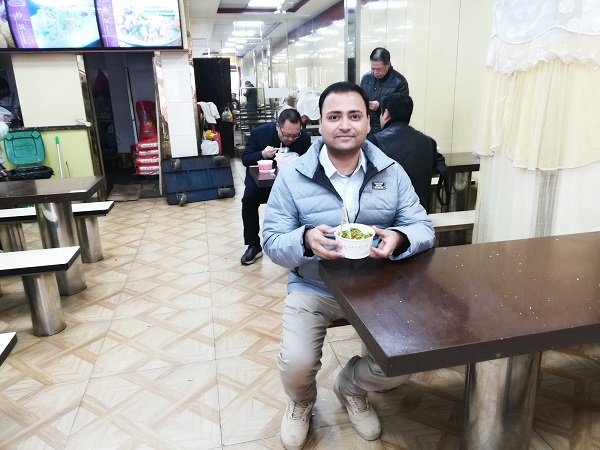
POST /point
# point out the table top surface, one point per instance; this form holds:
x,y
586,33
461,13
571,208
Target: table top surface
x,y
462,162
262,179
51,190
458,305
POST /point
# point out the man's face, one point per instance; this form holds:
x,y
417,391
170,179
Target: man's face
x,y
344,122
288,133
379,69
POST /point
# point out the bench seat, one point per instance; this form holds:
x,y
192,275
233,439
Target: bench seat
x,y
37,269
453,220
13,238
7,343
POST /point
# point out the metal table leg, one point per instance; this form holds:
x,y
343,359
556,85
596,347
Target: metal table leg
x,y
460,189
499,403
57,229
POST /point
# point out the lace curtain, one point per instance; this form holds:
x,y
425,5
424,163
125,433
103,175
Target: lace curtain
x,y
526,32
539,134
542,98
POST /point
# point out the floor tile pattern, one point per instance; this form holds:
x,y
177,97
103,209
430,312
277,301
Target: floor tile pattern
x,y
173,345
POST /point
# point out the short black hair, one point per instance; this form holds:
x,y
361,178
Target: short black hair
x,y
342,87
380,54
400,106
289,115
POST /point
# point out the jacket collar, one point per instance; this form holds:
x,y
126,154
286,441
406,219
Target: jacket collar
x,y
390,122
309,164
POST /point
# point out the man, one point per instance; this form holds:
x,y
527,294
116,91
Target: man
x,y
235,103
302,211
413,150
380,82
251,95
264,143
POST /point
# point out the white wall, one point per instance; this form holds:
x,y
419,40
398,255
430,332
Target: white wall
x,y
178,84
440,47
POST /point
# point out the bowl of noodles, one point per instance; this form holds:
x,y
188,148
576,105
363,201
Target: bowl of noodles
x,y
356,240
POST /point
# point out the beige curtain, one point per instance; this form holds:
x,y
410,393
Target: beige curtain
x,y
540,124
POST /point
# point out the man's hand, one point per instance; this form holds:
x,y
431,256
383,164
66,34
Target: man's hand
x,y
315,240
389,240
269,152
374,105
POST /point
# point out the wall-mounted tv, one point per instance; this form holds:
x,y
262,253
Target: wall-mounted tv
x,y
89,24
6,39
55,24
139,23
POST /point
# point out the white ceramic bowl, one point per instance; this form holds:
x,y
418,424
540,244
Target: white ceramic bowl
x,y
355,248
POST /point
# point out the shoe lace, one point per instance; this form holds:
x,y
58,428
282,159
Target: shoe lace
x,y
298,410
359,402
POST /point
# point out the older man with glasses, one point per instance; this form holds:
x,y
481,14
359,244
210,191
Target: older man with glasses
x,y
264,143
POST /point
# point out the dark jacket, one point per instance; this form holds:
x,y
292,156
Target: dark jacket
x,y
413,150
376,89
251,94
265,136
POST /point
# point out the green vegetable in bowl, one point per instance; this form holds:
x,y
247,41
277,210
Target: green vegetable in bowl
x,y
355,233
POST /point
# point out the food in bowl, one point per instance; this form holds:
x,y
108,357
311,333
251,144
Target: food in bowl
x,y
354,233
358,245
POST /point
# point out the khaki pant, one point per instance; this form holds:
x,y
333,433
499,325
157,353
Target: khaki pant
x,y
305,321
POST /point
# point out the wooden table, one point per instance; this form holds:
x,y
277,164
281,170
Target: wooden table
x,y
466,304
52,198
262,179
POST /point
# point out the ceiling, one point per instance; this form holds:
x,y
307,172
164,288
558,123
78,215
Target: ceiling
x,y
211,22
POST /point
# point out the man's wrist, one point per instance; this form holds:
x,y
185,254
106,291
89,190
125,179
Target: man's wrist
x,y
307,250
403,246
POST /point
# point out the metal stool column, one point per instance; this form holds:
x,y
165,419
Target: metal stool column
x,y
44,302
88,233
501,395
12,237
57,229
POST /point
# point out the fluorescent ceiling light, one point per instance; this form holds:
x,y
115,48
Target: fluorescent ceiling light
x,y
264,3
243,32
247,24
228,50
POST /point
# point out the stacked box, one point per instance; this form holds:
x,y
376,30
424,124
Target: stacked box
x,y
197,178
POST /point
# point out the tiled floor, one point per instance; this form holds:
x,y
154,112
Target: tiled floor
x,y
173,345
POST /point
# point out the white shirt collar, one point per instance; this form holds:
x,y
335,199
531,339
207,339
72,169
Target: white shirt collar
x,y
330,169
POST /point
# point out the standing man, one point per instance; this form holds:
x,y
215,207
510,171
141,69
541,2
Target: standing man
x,y
380,82
264,143
413,150
251,94
302,211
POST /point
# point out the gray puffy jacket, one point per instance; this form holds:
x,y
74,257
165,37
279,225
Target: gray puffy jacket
x,y
303,195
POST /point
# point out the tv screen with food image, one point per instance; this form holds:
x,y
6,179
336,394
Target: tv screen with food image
x,y
6,39
53,24
139,23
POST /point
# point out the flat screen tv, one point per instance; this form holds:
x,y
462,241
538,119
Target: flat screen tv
x,y
6,39
53,24
89,25
139,23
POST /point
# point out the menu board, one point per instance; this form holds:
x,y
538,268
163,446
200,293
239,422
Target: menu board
x,y
139,23
53,24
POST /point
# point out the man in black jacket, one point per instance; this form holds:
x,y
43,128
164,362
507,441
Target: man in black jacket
x,y
264,143
413,150
380,82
